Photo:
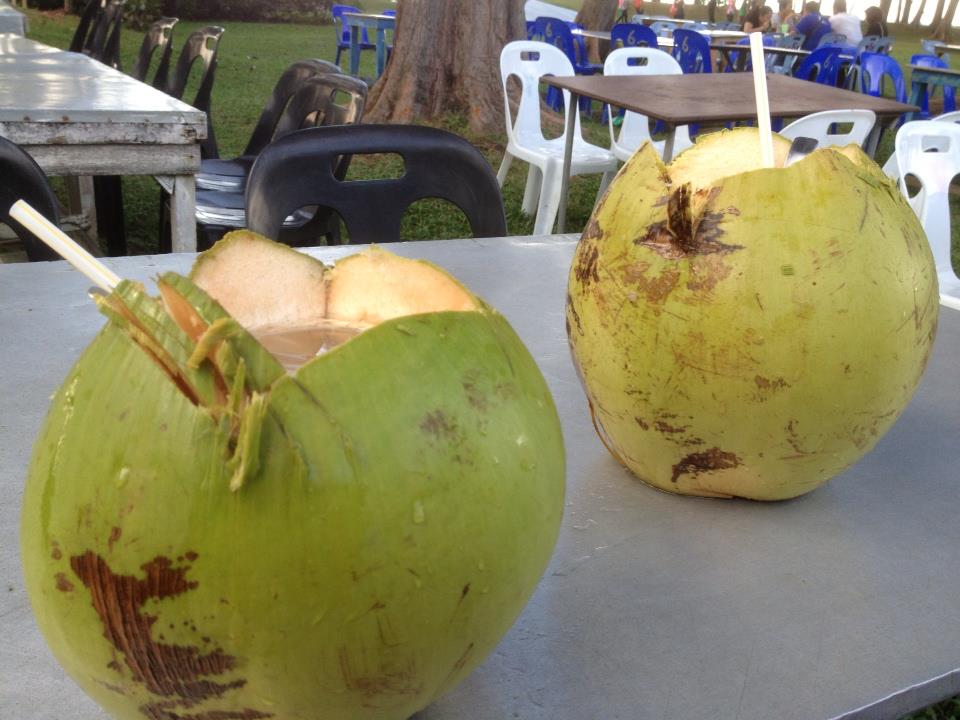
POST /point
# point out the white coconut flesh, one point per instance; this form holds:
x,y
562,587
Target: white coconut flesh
x,y
730,154
298,308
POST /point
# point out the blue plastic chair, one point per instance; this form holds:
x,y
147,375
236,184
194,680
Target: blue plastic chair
x,y
949,93
692,51
821,66
874,67
559,33
783,64
343,32
832,38
734,55
632,35
932,47
532,30
875,43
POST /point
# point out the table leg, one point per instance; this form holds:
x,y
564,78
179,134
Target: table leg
x,y
917,90
183,204
381,50
668,143
571,111
355,50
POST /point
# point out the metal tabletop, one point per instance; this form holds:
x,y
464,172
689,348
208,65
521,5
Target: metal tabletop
x,y
12,20
77,116
841,603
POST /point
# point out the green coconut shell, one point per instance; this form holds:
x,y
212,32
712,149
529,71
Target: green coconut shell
x,y
749,332
346,541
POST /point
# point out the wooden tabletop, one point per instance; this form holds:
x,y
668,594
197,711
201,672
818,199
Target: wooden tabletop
x,y
719,97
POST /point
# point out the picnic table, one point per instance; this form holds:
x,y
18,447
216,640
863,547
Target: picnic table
x,y
710,99
839,604
923,79
11,20
372,21
79,117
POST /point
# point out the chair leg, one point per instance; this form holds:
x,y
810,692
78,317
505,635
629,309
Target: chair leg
x,y
339,50
531,193
549,199
504,168
605,183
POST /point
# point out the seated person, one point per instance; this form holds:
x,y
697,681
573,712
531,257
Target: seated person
x,y
785,20
844,23
812,25
758,19
876,25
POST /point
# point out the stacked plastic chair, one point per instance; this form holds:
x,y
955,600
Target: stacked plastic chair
x,y
929,152
821,66
528,61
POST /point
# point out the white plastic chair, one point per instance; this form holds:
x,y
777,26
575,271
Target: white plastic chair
x,y
818,126
929,150
890,167
528,61
635,130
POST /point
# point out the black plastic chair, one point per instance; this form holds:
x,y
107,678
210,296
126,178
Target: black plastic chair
x,y
22,179
316,103
103,41
87,18
201,46
158,39
299,170
231,175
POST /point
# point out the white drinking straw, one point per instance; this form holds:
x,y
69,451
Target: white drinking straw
x,y
763,100
98,273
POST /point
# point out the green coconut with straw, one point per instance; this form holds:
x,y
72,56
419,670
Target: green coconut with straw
x,y
218,523
745,329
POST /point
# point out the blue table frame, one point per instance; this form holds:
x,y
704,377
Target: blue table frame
x,y
924,78
378,23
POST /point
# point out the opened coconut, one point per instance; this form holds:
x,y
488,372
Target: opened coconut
x,y
208,535
749,332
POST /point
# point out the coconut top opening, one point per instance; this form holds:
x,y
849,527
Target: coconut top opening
x,y
723,154
297,307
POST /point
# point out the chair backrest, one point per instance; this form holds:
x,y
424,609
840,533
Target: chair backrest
x,y
201,46
321,100
930,47
638,61
874,67
929,151
663,28
298,171
158,38
557,33
632,35
874,43
87,19
22,178
766,39
292,79
342,31
832,38
528,61
103,40
692,51
792,41
824,127
822,66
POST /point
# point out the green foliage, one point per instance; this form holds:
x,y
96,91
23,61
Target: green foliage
x,y
301,11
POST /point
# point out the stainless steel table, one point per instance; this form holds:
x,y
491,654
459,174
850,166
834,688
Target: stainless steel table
x,y
842,603
12,21
76,116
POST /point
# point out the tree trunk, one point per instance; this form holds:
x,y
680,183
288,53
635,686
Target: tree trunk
x,y
916,18
937,16
942,31
597,15
885,8
446,61
904,16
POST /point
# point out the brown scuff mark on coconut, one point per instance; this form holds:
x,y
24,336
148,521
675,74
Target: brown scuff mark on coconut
x,y
401,681
593,231
574,314
177,672
764,383
115,533
690,229
656,289
586,268
704,462
439,425
63,585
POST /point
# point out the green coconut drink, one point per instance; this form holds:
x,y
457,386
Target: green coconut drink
x,y
210,535
749,332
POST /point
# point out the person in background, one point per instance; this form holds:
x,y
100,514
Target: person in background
x,y
876,25
731,10
844,23
785,19
677,11
812,25
711,11
758,19
638,7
